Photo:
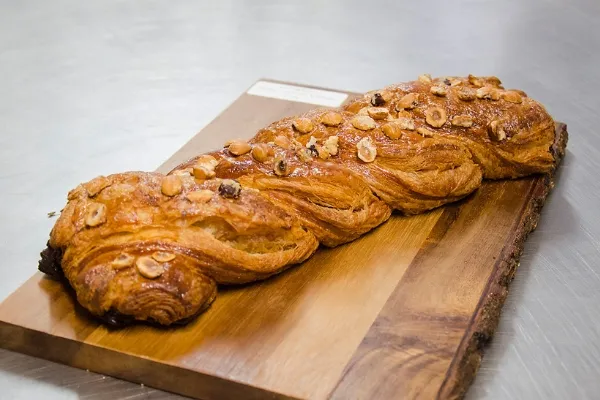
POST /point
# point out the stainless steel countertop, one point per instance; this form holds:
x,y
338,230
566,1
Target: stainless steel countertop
x,y
89,88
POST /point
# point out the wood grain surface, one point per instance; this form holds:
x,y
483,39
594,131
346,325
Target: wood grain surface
x,y
402,312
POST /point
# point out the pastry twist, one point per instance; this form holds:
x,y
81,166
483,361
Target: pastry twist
x,y
152,247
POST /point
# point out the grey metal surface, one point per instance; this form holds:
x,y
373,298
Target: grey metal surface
x,y
89,88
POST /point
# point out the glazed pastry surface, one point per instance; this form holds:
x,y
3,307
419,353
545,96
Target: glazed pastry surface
x,y
152,247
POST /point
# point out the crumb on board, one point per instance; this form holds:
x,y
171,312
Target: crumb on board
x,y
51,214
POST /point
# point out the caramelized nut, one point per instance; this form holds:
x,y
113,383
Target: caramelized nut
x,y
406,123
171,185
425,78
262,152
281,166
200,196
306,155
163,256
454,82
475,81
408,102
435,116
323,152
207,160
204,167
331,145
283,141
462,120
378,112
492,80
466,94
201,173
496,132
303,125
363,123
148,267
438,90
512,97
239,147
183,172
488,93
392,130
230,189
380,98
366,150
331,119
96,214
311,142
123,260
425,132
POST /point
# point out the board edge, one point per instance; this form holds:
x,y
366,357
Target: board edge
x,y
466,363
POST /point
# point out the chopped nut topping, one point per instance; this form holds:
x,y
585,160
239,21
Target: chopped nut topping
x,y
200,196
323,152
239,147
496,132
378,112
311,142
462,120
380,98
281,166
392,130
435,116
408,102
331,119
303,125
438,90
488,93
171,185
512,97
262,152
475,81
406,123
163,256
425,78
96,214
454,82
123,260
283,141
207,160
331,145
204,167
403,114
425,132
466,94
363,123
201,173
183,172
366,150
492,80
230,189
363,111
148,267
306,155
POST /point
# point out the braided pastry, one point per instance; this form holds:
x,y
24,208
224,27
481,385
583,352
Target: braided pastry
x,y
149,247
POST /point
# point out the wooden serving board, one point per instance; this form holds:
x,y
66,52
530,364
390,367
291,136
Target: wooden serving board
x,y
402,312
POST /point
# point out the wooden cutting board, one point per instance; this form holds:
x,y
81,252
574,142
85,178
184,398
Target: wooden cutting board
x,y
402,312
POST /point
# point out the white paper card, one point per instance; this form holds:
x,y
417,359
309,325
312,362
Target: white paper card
x,y
297,93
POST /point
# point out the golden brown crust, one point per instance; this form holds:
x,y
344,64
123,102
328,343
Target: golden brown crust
x,y
154,247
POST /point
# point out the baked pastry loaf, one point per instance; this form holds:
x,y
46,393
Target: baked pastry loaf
x,y
149,247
